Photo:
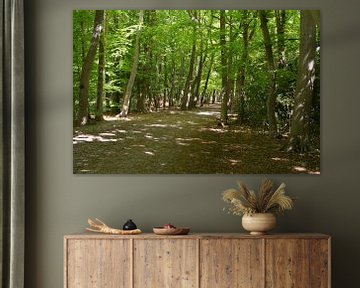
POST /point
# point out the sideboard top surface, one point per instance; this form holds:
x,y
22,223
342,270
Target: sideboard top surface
x,y
87,235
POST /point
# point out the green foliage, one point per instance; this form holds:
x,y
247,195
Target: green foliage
x,y
165,48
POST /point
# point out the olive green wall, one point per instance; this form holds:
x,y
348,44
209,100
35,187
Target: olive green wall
x,y
59,202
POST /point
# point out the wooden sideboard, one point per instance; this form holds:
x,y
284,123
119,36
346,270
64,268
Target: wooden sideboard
x,y
197,261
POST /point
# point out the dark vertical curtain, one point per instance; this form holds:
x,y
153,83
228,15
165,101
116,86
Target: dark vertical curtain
x,y
12,145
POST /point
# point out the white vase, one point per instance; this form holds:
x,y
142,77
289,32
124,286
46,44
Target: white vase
x,y
259,223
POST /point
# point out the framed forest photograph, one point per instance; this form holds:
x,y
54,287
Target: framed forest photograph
x,y
196,91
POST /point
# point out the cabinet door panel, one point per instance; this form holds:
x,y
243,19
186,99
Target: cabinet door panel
x,y
166,263
287,263
231,263
319,263
98,263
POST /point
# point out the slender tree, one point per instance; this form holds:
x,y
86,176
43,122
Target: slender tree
x,y
203,94
197,81
299,140
248,30
185,98
224,70
280,16
101,76
210,43
126,103
83,114
271,97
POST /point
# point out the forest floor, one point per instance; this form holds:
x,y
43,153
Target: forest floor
x,y
183,142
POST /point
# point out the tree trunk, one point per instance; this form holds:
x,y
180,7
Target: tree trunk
x,y
209,36
271,97
166,86
185,98
224,70
83,114
299,140
203,94
230,66
197,81
240,81
101,77
127,97
173,75
280,16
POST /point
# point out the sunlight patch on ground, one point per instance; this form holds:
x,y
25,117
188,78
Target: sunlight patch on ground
x,y
157,125
107,134
280,159
115,118
208,142
208,113
182,144
299,169
163,125
188,139
151,137
234,161
303,169
242,130
217,130
91,138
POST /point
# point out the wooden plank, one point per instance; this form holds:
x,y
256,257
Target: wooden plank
x,y
65,262
287,263
132,272
198,263
165,263
98,263
319,263
231,263
329,263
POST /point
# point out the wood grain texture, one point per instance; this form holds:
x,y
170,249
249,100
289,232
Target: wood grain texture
x,y
98,264
287,263
166,263
231,263
197,261
319,263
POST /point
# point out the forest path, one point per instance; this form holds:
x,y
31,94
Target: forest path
x,y
181,142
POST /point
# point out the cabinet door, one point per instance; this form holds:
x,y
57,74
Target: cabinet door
x,y
231,263
165,263
287,263
320,263
297,263
98,263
